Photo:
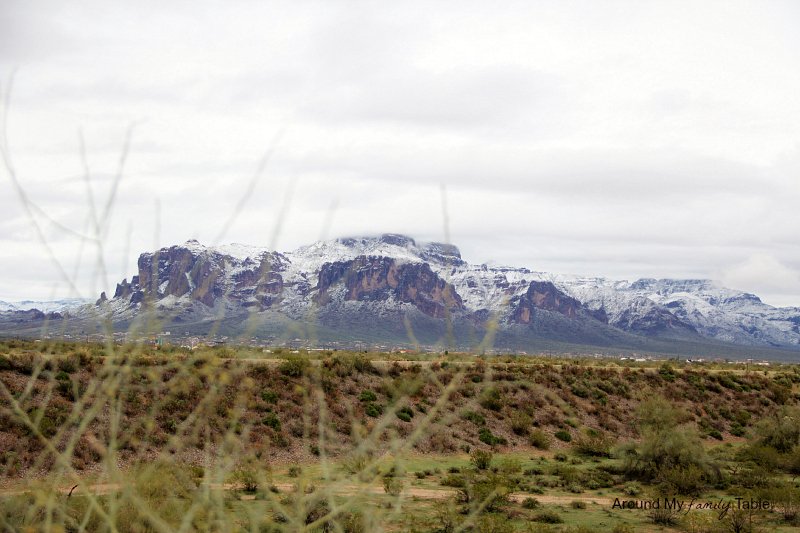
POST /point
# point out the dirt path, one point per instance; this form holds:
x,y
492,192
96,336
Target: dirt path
x,y
443,494
345,490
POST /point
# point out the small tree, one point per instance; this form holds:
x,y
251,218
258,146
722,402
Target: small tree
x,y
481,459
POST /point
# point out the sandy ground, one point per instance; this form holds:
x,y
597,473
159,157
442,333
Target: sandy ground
x,y
423,494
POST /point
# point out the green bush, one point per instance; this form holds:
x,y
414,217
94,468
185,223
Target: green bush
x,y
406,410
595,444
491,492
475,418
633,489
563,435
742,417
530,503
485,435
510,465
780,431
392,485
271,420
373,409
454,480
269,396
367,396
539,439
683,481
294,366
492,399
520,423
548,517
481,459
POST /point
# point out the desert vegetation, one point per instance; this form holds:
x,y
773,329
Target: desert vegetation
x,y
136,438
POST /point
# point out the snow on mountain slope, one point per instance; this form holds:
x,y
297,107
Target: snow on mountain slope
x,y
55,306
713,310
344,280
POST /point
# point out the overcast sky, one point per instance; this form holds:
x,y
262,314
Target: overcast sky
x,y
617,139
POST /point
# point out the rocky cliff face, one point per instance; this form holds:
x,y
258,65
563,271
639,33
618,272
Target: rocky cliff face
x,y
380,279
204,275
545,295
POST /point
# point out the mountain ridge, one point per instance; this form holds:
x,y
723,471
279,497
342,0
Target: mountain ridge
x,y
393,287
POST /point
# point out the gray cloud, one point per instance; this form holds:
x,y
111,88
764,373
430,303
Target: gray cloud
x,y
623,140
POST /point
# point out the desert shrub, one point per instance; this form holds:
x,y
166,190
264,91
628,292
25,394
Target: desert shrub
x,y
165,488
598,479
633,489
492,491
780,431
548,517
563,435
493,523
294,366
271,420
446,515
347,365
392,485
530,503
486,436
786,500
755,477
520,422
295,471
492,399
715,433
374,410
247,476
539,439
475,418
355,464
406,410
664,445
269,396
663,516
26,363
481,459
595,444
367,396
349,523
510,465
454,480
684,481
742,417
578,504
667,373
737,430
766,457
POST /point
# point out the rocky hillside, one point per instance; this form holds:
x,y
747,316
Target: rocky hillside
x,y
392,289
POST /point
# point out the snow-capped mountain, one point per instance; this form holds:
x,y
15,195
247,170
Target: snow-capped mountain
x,y
53,306
392,288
